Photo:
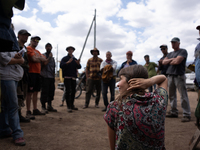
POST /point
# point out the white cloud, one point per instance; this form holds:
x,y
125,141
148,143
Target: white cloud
x,y
141,27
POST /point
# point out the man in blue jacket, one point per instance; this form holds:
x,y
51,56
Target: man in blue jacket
x,y
69,65
129,61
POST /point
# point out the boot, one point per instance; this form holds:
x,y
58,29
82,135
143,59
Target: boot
x,y
21,118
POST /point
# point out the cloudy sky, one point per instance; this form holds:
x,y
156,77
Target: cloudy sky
x,y
122,25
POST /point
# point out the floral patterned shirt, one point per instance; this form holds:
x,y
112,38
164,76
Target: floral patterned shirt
x,y
139,121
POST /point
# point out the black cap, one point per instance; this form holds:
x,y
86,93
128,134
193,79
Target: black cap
x,y
163,45
23,31
48,44
36,37
69,48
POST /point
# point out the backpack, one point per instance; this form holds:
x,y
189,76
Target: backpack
x,y
107,73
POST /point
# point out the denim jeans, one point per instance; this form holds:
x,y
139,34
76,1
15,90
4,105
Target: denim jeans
x,y
9,118
111,85
197,70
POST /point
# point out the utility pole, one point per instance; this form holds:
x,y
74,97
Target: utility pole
x,y
95,28
93,21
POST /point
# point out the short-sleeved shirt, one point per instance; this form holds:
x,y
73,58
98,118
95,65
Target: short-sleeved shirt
x,y
34,67
93,66
151,69
180,68
139,121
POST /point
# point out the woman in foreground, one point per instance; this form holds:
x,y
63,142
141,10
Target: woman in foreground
x,y
136,118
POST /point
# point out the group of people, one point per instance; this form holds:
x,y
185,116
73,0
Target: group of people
x,y
129,121
24,71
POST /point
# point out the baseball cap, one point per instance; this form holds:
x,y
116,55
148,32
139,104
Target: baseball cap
x,y
175,39
198,27
35,37
48,44
23,31
163,45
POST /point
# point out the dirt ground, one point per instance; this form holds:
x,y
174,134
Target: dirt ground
x,y
85,129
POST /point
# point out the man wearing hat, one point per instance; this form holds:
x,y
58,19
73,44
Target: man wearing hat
x,y
161,67
128,62
23,84
69,65
93,77
176,79
34,60
48,80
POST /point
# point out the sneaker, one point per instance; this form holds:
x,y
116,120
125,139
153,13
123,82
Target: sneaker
x,y
20,142
29,115
37,112
50,108
170,115
61,105
104,109
44,110
97,106
23,119
69,110
186,119
84,107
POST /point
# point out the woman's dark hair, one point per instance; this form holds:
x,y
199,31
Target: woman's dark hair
x,y
134,71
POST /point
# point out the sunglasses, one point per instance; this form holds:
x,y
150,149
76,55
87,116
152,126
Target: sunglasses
x,y
162,49
36,40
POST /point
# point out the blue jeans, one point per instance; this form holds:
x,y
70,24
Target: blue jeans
x,y
9,118
105,86
197,70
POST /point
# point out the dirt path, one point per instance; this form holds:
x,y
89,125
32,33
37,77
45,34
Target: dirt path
x,y
85,129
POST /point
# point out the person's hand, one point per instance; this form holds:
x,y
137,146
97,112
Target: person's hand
x,y
50,55
78,61
160,62
18,56
129,60
139,83
21,60
69,61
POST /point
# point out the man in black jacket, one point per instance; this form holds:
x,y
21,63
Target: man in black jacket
x,y
69,65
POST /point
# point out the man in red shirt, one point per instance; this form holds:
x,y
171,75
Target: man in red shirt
x,y
34,58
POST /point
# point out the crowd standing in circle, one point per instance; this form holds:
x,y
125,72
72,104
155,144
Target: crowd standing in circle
x,y
24,71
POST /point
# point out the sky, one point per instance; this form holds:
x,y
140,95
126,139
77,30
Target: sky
x,y
140,26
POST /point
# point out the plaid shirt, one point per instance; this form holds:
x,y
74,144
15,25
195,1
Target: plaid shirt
x,y
93,67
